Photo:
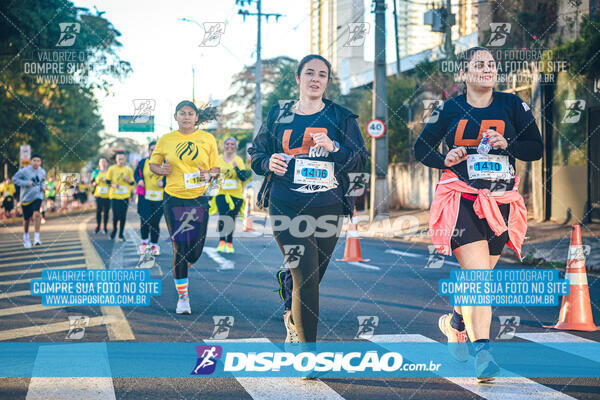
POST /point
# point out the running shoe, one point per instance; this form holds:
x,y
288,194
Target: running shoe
x,y
229,248
121,238
485,366
104,231
142,249
221,247
457,340
280,277
97,229
291,332
183,306
113,234
26,243
155,249
37,242
43,220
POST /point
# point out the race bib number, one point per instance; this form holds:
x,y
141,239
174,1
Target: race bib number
x,y
229,184
121,190
193,180
489,167
154,195
102,189
311,172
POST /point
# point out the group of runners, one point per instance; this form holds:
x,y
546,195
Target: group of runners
x,y
305,149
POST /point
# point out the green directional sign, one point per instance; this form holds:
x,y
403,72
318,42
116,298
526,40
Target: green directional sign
x,y
136,123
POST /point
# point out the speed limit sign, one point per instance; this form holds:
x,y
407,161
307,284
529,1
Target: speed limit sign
x,y
376,128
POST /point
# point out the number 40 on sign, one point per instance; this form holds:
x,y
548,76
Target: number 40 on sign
x,y
376,128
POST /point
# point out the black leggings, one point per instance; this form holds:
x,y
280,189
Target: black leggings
x,y
102,206
119,209
187,220
307,255
227,214
150,213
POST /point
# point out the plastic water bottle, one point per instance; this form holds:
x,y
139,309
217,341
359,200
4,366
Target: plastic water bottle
x,y
484,146
287,159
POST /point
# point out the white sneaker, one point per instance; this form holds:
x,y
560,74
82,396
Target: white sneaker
x,y
142,248
183,306
37,242
155,249
27,243
291,332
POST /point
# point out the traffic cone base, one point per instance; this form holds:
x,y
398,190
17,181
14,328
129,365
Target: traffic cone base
x,y
576,308
352,250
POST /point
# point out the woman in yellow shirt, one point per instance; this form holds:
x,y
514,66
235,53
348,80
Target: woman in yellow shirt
x,y
101,188
189,159
120,179
230,198
150,200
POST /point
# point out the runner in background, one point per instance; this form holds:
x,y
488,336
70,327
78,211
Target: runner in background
x,y
120,179
189,160
230,198
8,192
476,209
101,189
150,197
51,193
32,180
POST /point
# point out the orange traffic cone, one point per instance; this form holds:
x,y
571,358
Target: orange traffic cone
x,y
576,309
352,249
247,222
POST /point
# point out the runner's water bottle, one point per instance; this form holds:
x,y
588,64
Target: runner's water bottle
x,y
484,146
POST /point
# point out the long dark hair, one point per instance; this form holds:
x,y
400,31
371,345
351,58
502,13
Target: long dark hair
x,y
205,114
466,56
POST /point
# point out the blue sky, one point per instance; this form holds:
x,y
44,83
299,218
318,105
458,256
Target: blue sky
x,y
162,50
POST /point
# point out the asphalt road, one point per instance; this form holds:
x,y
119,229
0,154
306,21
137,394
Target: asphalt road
x,y
395,285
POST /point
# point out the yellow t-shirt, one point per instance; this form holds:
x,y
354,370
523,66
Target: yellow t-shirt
x,y
153,191
116,175
230,183
102,187
8,189
185,154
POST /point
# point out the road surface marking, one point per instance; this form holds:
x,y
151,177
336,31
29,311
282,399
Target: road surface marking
x,y
273,388
36,270
27,280
119,328
514,388
554,339
46,329
18,293
224,264
47,251
26,309
365,266
42,262
100,388
415,255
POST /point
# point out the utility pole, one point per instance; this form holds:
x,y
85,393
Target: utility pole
x,y
379,147
448,22
396,37
258,66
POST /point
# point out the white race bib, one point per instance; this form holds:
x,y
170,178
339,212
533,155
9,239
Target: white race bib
x,y
102,189
489,167
121,190
193,180
314,173
229,184
154,195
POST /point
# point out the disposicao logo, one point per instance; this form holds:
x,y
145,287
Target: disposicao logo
x,y
207,359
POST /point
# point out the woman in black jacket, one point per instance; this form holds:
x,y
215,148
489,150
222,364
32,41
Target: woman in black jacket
x,y
307,148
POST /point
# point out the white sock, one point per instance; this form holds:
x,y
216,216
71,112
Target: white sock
x,y
26,237
36,236
145,241
153,244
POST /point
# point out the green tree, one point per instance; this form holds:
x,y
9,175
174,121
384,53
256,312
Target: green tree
x,y
59,120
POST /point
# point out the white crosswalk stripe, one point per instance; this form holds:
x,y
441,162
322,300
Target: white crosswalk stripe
x,y
553,339
502,389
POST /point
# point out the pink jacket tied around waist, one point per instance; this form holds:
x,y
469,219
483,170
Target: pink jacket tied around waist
x,y
445,206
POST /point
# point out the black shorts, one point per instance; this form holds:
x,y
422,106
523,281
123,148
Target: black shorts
x,y
470,228
53,198
30,208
